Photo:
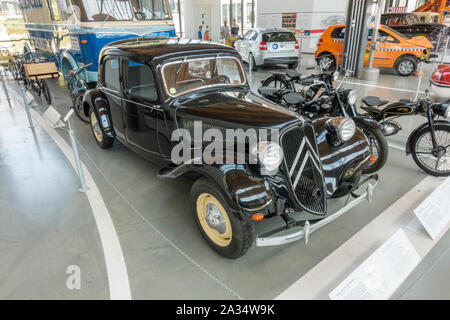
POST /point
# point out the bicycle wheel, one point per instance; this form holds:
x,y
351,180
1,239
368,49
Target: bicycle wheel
x,y
434,161
13,69
78,107
46,91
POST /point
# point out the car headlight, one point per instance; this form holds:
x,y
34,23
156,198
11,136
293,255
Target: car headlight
x,y
342,128
351,97
270,156
336,75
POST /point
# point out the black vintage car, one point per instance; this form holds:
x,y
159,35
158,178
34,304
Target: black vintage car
x,y
149,89
410,25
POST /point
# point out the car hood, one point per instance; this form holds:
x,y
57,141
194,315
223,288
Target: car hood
x,y
234,109
420,41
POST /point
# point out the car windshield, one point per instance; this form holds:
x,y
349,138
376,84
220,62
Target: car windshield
x,y
151,9
104,10
278,37
188,75
398,34
412,19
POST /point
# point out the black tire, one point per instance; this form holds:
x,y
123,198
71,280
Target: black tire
x,y
322,57
406,66
242,232
293,65
378,144
78,107
345,187
254,66
415,139
46,91
275,80
102,140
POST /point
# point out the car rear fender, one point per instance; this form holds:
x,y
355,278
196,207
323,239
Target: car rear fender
x,y
96,101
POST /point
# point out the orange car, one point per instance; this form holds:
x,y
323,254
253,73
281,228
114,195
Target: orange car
x,y
395,49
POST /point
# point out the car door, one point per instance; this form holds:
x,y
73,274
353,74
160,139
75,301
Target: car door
x,y
112,88
141,107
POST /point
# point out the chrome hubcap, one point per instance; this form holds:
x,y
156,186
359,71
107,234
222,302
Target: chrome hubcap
x,y
325,62
215,219
406,67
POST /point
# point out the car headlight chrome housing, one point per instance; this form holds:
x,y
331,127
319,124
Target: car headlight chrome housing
x,y
270,156
342,129
351,97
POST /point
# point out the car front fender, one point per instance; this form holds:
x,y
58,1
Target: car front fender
x,y
246,192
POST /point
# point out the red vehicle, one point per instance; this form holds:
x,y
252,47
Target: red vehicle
x,y
440,83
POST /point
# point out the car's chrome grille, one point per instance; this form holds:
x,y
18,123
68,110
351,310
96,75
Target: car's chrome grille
x,y
303,167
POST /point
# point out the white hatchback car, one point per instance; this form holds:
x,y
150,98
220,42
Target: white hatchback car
x,y
268,47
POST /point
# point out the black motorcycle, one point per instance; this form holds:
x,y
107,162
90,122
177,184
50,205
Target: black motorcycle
x,y
317,99
429,144
77,86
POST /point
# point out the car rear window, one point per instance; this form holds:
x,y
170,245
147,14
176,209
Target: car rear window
x,y
278,37
338,33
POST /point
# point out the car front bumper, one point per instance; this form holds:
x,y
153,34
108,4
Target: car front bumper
x,y
308,228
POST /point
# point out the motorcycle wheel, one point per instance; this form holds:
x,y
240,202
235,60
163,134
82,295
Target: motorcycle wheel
x,y
434,162
276,82
379,149
346,186
78,107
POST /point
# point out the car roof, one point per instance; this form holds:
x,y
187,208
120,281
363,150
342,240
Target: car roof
x,y
154,49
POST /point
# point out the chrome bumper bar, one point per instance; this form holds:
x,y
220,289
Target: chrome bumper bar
x,y
310,228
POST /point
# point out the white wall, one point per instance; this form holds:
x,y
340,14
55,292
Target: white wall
x,y
191,15
312,15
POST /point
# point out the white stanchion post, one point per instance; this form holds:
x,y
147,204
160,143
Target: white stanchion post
x,y
5,88
445,49
250,67
27,107
416,95
73,142
300,48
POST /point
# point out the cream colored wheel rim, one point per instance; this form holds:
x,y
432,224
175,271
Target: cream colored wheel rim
x,y
96,128
214,220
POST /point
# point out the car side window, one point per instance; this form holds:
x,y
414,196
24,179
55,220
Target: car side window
x,y
386,37
112,74
140,81
254,36
248,34
338,33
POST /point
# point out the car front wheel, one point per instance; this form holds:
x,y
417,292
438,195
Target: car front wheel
x,y
406,66
225,233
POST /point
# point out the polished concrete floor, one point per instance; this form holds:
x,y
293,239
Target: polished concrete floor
x,y
47,225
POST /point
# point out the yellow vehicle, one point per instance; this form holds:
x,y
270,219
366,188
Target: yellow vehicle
x,y
395,49
5,56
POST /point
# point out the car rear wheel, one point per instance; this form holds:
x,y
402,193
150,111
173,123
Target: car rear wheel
x,y
102,140
251,60
225,233
406,66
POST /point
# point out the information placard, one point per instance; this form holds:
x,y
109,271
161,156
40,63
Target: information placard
x,y
382,273
434,211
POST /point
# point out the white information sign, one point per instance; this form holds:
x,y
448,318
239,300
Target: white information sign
x,y
53,117
381,274
434,212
